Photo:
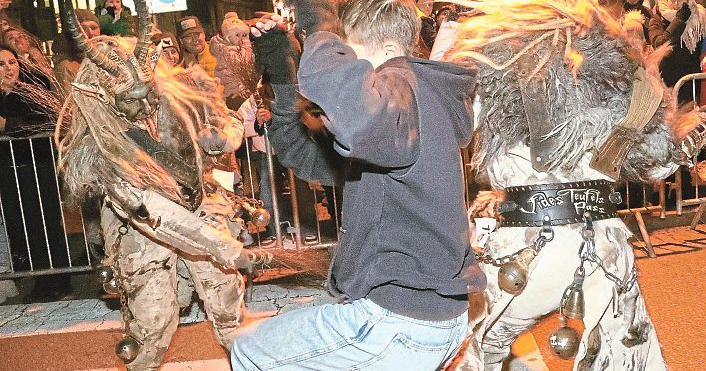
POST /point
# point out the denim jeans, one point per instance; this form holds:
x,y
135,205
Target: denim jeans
x,y
356,336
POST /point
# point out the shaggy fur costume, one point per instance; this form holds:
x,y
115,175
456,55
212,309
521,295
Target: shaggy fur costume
x,y
97,158
586,62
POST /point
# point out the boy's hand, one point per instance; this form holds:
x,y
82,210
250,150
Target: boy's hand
x,y
274,49
315,15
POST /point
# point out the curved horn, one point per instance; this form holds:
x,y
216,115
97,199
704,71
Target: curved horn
x,y
144,28
91,51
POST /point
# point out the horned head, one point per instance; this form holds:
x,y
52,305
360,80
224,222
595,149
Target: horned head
x,y
125,74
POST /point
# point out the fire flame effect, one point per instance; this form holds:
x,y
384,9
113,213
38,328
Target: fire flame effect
x,y
502,20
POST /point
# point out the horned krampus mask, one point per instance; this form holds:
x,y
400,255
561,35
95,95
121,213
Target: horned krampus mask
x,y
125,81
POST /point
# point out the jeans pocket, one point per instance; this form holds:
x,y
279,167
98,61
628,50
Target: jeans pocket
x,y
403,353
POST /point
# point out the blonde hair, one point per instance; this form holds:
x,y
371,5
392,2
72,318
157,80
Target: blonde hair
x,y
372,22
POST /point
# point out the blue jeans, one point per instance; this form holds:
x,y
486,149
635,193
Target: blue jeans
x,y
357,336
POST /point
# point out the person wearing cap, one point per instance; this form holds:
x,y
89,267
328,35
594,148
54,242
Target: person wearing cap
x,y
67,57
170,48
194,46
235,67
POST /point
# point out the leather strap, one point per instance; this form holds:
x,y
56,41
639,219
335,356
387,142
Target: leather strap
x,y
646,98
543,145
186,176
563,203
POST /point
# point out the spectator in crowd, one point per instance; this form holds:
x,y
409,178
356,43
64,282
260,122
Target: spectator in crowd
x,y
67,57
6,20
681,24
115,19
9,69
235,67
171,53
27,49
19,116
256,115
193,45
36,215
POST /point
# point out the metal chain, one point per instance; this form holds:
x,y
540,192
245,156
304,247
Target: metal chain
x,y
545,235
117,276
587,252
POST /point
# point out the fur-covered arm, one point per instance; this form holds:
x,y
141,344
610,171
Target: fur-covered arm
x,y
659,150
653,157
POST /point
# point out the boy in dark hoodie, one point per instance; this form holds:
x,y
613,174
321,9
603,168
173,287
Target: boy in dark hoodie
x,y
404,266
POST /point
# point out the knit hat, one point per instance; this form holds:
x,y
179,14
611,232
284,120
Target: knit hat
x,y
188,25
232,23
85,15
168,40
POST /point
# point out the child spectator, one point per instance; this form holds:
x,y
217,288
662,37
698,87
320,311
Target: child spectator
x,y
235,67
171,53
115,19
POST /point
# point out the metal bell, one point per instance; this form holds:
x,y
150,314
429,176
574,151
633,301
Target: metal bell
x,y
104,273
512,276
127,349
238,210
111,287
564,342
260,217
573,306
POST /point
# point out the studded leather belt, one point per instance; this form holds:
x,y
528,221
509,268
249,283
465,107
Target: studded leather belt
x,y
563,203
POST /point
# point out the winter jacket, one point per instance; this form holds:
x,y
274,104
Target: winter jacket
x,y
124,26
680,61
23,116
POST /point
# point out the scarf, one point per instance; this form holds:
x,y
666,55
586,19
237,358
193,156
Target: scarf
x,y
696,24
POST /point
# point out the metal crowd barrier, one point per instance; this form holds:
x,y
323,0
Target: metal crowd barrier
x,y
675,183
38,235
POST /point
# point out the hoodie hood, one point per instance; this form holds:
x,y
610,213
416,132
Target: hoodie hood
x,y
455,86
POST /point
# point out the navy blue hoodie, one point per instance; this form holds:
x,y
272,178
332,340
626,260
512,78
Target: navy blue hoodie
x,y
405,239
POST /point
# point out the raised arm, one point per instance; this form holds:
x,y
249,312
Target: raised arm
x,y
371,113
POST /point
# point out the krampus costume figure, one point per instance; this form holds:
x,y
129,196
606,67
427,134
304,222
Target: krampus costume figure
x,y
569,105
135,138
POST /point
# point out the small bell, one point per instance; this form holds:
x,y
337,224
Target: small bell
x,y
564,341
238,210
111,287
573,306
104,273
260,217
127,349
512,276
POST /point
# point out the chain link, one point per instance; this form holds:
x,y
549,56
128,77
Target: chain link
x,y
587,252
545,235
117,274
